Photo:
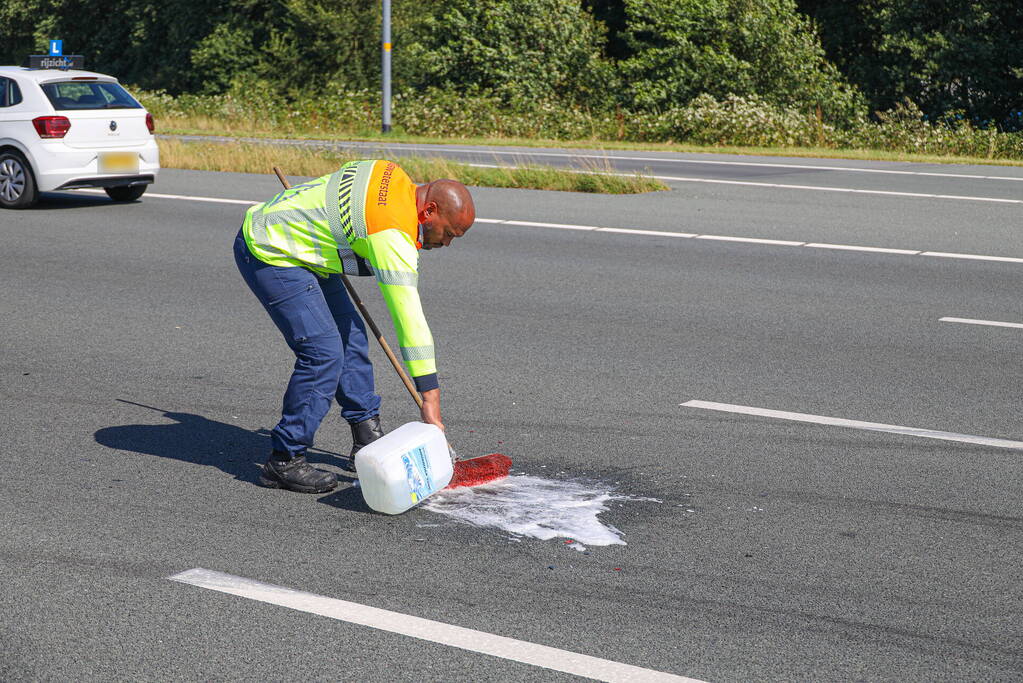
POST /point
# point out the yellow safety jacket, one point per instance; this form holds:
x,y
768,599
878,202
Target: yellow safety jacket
x,y
361,220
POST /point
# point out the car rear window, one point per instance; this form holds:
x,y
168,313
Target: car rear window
x,y
10,94
66,95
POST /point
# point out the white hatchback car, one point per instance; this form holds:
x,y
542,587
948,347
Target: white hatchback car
x,y
61,130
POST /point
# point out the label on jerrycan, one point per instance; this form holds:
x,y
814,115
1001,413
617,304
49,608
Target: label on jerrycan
x,y
417,472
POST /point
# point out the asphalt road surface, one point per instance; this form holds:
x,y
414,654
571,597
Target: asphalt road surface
x,y
868,530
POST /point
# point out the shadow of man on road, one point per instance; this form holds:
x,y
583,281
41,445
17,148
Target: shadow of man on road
x,y
199,440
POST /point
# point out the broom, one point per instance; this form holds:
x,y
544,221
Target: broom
x,y
482,469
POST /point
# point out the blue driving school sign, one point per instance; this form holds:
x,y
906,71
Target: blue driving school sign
x,y
55,59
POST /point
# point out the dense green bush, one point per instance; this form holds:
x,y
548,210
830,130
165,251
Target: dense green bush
x,y
946,55
765,49
520,51
905,128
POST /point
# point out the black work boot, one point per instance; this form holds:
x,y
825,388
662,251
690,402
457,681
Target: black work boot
x,y
364,433
295,474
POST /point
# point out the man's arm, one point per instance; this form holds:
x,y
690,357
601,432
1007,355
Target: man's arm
x,y
395,262
430,411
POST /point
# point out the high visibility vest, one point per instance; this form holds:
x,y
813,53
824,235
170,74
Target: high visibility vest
x,y
361,220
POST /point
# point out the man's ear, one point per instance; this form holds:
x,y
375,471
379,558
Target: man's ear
x,y
429,209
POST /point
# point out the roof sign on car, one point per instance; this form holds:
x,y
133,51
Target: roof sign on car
x,y
56,59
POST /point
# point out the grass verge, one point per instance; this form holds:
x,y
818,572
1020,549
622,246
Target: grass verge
x,y
297,161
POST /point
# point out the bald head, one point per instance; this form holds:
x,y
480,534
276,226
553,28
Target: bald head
x,y
454,202
446,211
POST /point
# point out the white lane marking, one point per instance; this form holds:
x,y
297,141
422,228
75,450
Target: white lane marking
x,y
563,226
613,156
654,233
751,240
216,200
425,629
944,254
855,424
849,247
849,190
971,321
648,233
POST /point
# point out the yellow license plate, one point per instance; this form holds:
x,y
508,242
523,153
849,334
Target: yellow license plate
x,y
118,162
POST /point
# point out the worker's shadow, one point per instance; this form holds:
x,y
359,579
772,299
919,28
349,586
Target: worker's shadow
x,y
234,450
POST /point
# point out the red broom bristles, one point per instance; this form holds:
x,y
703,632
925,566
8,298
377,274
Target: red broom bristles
x,y
481,470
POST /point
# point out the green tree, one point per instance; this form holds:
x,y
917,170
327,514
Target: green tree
x,y
293,46
947,56
522,51
143,42
684,48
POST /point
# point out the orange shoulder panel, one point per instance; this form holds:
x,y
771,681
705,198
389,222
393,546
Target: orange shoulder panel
x,y
391,201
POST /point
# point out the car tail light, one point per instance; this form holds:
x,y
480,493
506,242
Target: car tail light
x,y
51,126
150,123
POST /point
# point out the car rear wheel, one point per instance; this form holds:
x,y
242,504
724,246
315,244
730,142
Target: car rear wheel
x,y
125,193
17,184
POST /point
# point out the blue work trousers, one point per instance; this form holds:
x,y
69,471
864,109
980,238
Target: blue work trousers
x,y
323,328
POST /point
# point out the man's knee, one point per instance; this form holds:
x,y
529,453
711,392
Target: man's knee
x,y
322,350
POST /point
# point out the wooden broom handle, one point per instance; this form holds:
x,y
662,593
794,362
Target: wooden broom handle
x,y
369,321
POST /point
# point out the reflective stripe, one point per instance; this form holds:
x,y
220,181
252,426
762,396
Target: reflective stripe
x,y
262,221
410,353
358,202
290,216
257,229
289,236
321,260
337,187
395,277
349,264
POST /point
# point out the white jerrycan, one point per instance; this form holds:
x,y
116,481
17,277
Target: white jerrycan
x,y
404,467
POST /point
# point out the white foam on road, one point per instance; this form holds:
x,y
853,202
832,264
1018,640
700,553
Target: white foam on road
x,y
425,629
533,507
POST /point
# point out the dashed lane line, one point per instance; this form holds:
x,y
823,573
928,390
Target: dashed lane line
x,y
426,629
855,424
971,321
656,233
754,240
847,190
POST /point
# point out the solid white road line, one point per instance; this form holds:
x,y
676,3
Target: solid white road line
x,y
653,233
193,198
849,247
751,240
425,629
855,424
976,257
849,190
970,321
